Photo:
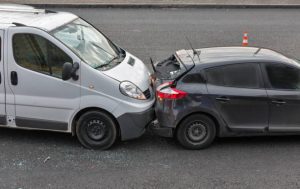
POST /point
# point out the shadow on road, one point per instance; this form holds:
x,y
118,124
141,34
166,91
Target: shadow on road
x,y
148,140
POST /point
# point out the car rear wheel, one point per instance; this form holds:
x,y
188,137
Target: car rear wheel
x,y
196,132
96,130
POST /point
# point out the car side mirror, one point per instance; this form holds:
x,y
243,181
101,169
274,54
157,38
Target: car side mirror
x,y
69,71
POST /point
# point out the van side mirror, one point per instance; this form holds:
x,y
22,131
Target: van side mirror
x,y
69,71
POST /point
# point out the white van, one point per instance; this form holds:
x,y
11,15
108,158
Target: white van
x,y
60,73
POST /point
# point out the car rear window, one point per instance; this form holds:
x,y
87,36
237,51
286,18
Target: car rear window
x,y
245,75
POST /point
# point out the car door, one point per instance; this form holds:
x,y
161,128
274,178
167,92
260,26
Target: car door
x,y
2,87
41,99
239,96
283,88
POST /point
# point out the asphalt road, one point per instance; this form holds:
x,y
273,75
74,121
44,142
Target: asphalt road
x,y
54,160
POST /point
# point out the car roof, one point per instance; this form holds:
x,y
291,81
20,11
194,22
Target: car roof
x,y
227,55
239,53
14,14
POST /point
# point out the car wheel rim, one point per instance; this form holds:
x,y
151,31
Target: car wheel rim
x,y
96,129
196,131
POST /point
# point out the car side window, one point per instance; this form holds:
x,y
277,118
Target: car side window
x,y
39,54
243,75
283,77
193,78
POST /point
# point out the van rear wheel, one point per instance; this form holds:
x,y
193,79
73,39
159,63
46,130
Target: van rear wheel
x,y
196,132
96,130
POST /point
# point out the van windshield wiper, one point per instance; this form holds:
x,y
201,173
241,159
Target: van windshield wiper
x,y
96,45
107,63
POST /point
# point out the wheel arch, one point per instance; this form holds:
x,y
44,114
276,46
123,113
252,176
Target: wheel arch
x,y
87,109
212,117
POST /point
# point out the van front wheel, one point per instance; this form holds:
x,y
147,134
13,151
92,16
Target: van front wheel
x,y
96,130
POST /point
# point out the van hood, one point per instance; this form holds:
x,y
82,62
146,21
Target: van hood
x,y
131,69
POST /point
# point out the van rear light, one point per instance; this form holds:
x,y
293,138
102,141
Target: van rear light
x,y
166,91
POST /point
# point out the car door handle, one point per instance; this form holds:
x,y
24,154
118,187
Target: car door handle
x,y
14,78
278,102
223,99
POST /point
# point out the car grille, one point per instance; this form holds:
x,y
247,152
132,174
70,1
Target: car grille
x,y
147,93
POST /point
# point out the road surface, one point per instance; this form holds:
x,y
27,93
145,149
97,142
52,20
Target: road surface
x,y
54,160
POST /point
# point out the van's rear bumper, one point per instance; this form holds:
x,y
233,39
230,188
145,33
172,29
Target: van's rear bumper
x,y
133,124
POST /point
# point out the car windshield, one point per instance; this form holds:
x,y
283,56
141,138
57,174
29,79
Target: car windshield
x,y
88,43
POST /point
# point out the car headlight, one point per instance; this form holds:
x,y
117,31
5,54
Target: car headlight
x,y
129,89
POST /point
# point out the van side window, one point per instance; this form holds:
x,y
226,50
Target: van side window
x,y
38,54
243,75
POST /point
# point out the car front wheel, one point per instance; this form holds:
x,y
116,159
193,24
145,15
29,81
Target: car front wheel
x,y
196,132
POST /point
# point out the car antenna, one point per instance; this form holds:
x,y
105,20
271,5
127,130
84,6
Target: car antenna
x,y
256,52
152,64
194,51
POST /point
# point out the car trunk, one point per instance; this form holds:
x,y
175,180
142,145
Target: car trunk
x,y
174,67
167,72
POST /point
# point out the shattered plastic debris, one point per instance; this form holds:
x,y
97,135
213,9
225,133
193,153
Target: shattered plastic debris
x,y
47,158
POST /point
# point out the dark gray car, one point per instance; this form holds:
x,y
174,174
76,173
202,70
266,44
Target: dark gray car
x,y
226,91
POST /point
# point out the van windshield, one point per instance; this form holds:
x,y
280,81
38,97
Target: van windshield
x,y
88,43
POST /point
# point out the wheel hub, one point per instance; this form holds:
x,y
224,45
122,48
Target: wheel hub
x,y
196,131
96,129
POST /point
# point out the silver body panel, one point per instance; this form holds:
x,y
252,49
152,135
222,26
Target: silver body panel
x,y
44,102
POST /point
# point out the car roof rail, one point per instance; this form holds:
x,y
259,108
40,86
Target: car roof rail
x,y
49,11
18,24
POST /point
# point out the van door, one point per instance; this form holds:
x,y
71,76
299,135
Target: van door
x,y
2,85
42,99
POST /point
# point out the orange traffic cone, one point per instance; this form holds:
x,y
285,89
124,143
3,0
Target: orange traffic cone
x,y
245,39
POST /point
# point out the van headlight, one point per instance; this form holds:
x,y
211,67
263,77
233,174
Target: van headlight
x,y
129,89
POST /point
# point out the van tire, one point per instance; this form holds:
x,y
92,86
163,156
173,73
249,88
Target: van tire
x,y
96,130
196,132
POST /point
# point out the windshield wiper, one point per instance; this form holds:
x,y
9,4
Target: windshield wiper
x,y
107,63
94,44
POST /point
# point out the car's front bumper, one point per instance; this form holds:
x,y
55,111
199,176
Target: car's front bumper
x,y
133,125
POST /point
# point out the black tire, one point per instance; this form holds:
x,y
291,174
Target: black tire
x,y
196,132
96,130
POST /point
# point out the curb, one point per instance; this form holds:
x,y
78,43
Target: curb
x,y
218,6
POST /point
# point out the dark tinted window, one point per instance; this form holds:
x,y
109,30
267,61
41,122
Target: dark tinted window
x,y
193,78
283,77
38,54
236,75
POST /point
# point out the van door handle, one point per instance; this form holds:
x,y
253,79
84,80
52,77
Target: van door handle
x,y
14,78
223,99
0,78
278,102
